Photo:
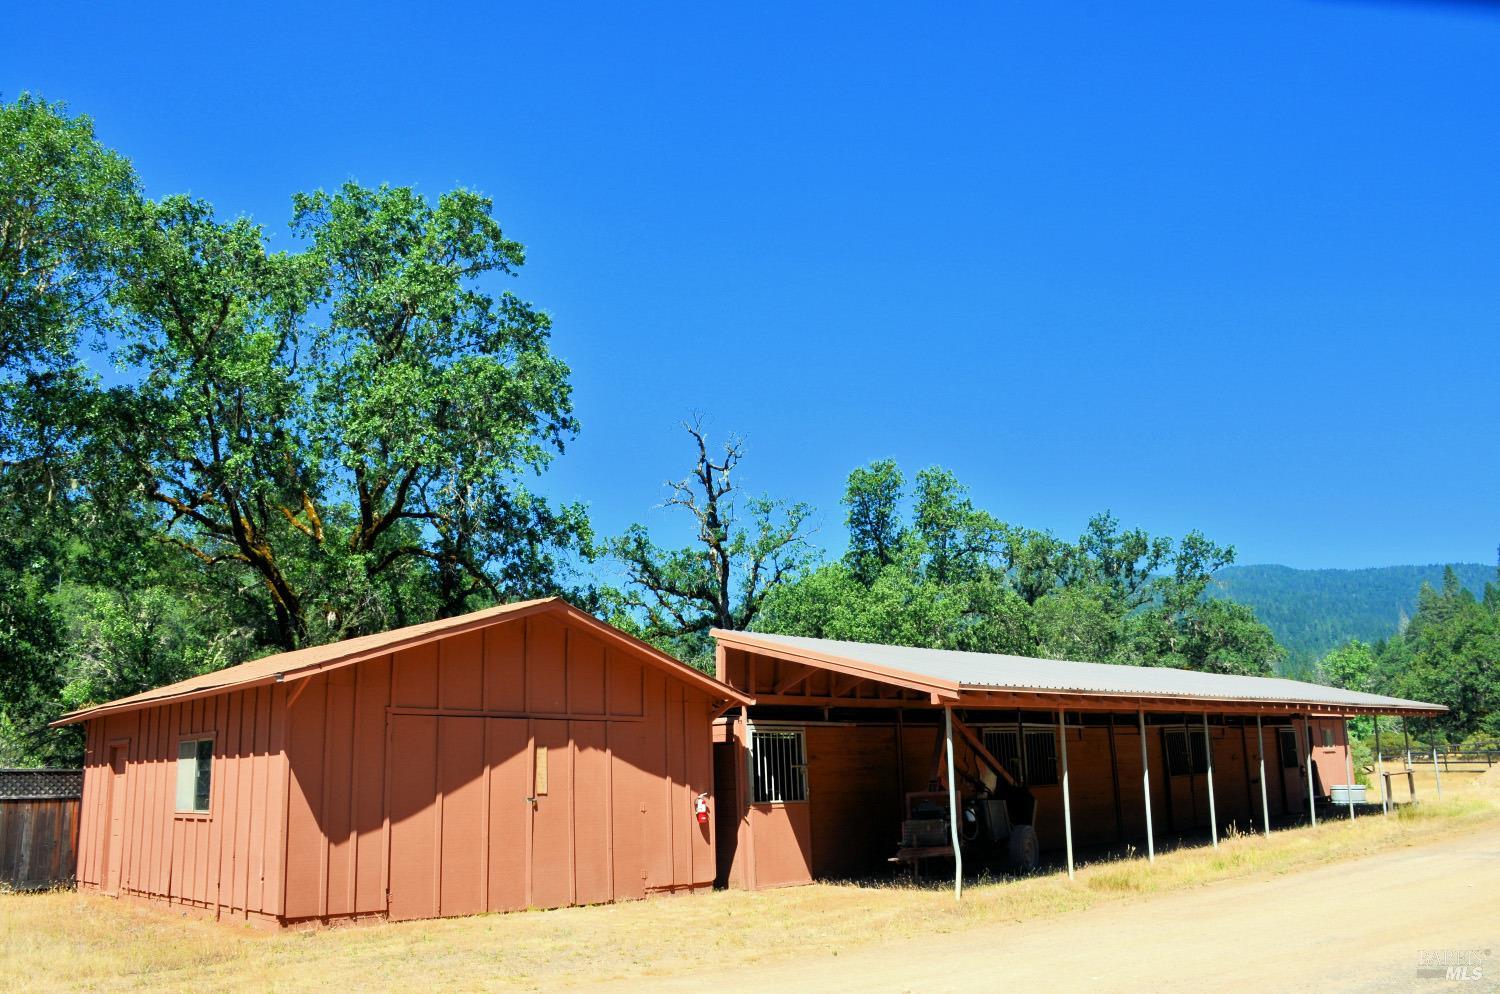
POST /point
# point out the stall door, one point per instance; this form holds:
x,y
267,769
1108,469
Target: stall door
x,y
1292,774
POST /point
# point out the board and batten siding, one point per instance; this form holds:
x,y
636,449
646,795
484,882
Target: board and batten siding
x,y
228,861
411,778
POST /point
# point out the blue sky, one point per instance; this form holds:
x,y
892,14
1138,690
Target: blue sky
x,y
1226,266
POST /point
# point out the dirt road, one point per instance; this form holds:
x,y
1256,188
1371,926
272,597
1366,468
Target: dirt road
x,y
1371,925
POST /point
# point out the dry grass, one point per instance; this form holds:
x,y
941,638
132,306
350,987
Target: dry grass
x,y
84,942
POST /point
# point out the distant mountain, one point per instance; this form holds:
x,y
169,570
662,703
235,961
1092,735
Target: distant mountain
x,y
1314,610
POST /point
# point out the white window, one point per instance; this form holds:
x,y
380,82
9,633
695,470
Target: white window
x,y
778,765
194,774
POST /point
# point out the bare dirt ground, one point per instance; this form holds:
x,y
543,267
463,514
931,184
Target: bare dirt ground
x,y
1369,925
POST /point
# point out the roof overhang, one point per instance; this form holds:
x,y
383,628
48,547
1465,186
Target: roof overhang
x,y
948,692
940,690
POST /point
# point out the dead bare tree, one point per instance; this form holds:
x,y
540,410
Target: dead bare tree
x,y
745,546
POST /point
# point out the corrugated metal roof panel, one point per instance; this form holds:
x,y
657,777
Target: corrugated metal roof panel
x,y
995,671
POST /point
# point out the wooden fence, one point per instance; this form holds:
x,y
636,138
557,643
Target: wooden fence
x,y
39,828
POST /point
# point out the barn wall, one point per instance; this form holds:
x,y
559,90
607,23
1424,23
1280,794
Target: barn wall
x,y
630,744
1329,760
228,862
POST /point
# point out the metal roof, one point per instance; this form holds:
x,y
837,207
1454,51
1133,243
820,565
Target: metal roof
x,y
982,671
314,659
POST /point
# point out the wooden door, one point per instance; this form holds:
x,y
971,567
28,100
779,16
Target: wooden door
x,y
1293,774
507,748
552,815
115,854
412,764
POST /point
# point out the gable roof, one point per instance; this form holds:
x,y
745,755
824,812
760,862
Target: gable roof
x,y
946,673
306,662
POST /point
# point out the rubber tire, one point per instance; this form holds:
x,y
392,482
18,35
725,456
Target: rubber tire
x,y
1024,851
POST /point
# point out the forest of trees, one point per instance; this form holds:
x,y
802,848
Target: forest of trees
x,y
1313,611
211,451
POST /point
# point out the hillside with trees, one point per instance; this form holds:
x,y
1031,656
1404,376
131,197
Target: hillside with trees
x,y
1312,611
1449,653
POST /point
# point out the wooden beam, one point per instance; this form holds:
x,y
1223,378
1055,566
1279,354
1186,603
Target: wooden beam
x,y
794,680
975,743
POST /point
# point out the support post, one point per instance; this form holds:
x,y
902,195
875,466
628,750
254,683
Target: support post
x,y
1208,754
1437,774
958,857
1062,734
1146,788
1312,803
1385,799
1265,805
1349,767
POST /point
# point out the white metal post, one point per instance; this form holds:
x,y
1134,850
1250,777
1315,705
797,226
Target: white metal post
x,y
958,857
1385,799
1312,807
1146,789
1349,767
1062,731
1437,774
1208,753
1265,805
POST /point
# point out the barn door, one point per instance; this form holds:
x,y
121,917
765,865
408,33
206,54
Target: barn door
x,y
460,815
552,816
115,855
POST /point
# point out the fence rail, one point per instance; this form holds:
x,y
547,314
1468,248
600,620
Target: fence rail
x,y
1470,758
39,827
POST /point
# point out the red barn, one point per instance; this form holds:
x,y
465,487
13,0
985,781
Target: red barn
x,y
524,756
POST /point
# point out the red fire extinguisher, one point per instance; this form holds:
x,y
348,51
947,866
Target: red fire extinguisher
x,y
700,808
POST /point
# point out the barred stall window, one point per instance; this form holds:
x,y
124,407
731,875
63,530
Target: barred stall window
x,y
1002,744
1041,757
778,766
1179,759
1200,751
1038,767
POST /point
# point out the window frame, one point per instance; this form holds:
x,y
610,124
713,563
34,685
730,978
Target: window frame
x,y
1016,762
1194,751
798,770
196,738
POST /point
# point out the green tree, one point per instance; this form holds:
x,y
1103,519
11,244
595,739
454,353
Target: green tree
x,y
347,424
956,576
1350,666
64,199
1448,655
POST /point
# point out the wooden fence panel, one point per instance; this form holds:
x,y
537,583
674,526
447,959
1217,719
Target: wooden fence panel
x,y
39,812
38,842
